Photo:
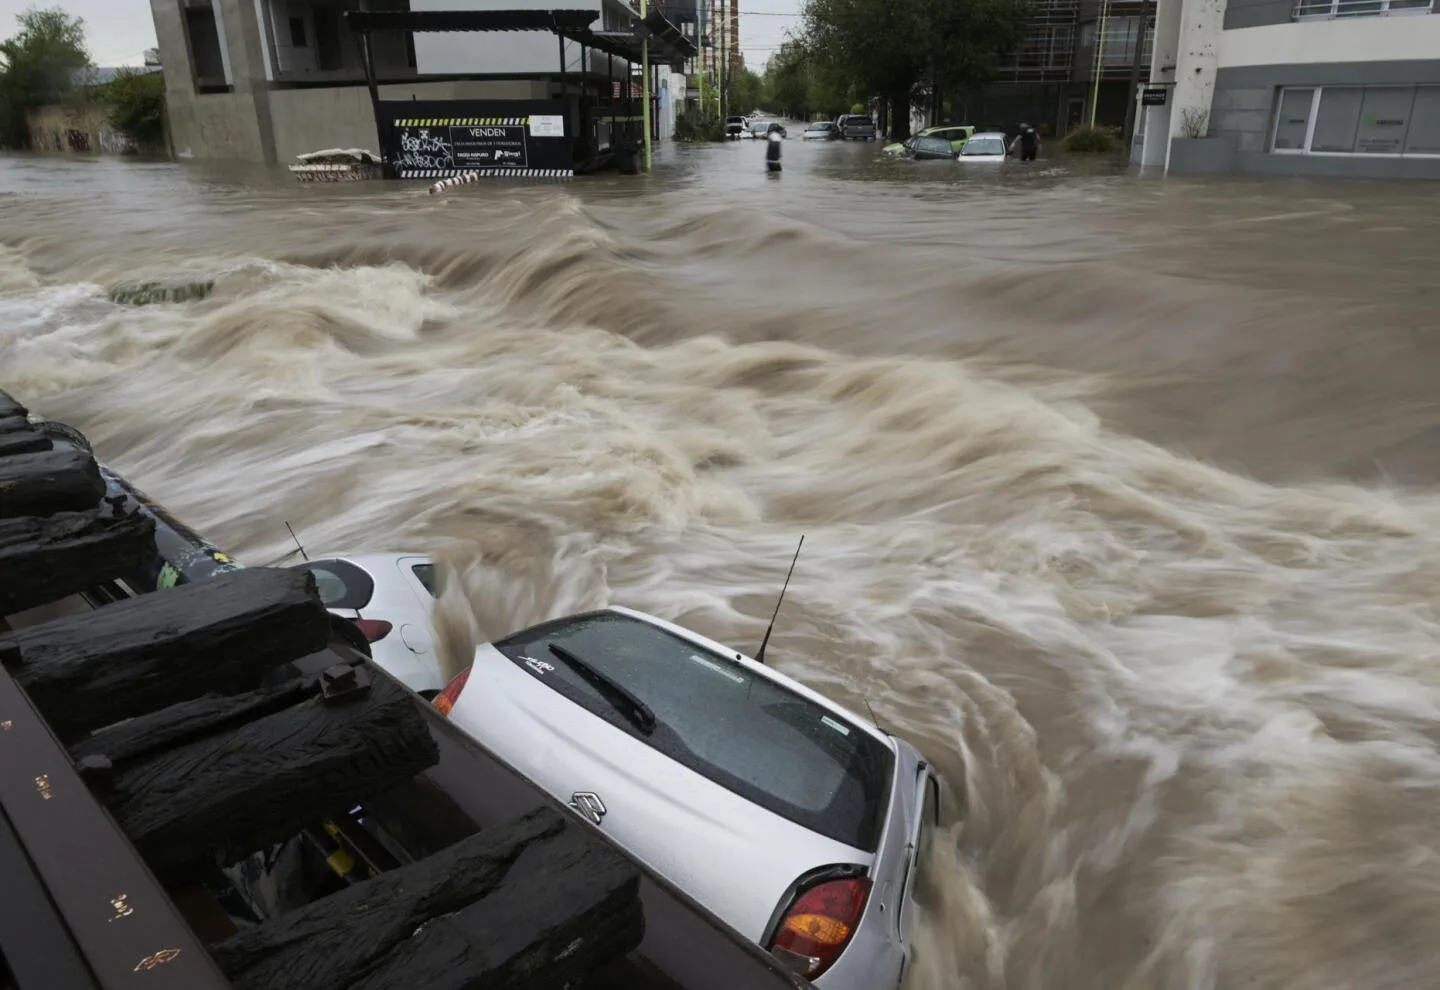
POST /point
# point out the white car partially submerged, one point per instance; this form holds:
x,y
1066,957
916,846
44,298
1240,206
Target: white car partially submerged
x,y
987,146
390,597
798,823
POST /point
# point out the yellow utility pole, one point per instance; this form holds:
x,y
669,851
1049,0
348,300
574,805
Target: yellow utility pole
x,y
1099,50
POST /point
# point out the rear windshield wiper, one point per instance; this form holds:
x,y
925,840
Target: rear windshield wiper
x,y
618,695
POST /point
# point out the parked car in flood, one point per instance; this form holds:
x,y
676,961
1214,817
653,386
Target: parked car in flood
x,y
761,128
390,598
798,823
956,134
821,130
856,126
735,127
988,146
930,148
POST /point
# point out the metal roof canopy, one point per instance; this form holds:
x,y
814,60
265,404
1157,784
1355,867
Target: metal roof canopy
x,y
667,45
627,44
365,21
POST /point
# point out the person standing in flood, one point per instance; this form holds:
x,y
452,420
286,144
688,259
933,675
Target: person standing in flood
x,y
772,148
1028,141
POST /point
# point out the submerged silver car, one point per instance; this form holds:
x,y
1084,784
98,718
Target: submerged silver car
x,y
796,822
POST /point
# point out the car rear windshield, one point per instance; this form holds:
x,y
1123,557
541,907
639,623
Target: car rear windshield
x,y
744,732
984,146
341,584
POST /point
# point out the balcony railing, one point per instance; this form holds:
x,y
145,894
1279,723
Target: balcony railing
x,y
1313,10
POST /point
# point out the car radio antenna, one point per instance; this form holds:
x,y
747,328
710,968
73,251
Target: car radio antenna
x,y
760,653
872,715
297,541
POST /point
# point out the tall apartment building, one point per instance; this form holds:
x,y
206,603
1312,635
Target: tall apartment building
x,y
1297,87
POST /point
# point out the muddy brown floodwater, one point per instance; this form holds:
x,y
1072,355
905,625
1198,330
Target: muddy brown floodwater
x,y
1119,496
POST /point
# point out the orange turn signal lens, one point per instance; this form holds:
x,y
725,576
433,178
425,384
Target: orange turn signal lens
x,y
818,928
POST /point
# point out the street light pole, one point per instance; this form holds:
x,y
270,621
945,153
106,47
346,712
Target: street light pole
x,y
645,82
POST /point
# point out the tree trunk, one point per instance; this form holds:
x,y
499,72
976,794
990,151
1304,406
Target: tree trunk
x,y
49,481
564,910
332,943
136,738
899,116
229,794
45,559
17,436
10,406
142,654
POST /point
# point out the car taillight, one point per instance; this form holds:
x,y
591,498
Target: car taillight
x,y
818,926
446,699
374,630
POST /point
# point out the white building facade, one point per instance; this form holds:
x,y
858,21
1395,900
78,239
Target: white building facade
x,y
1296,87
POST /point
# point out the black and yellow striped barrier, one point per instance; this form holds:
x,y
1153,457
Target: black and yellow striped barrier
x,y
463,122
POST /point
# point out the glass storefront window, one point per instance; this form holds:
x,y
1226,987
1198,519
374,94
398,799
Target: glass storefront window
x,y
1292,122
1384,121
1337,119
1357,120
1424,137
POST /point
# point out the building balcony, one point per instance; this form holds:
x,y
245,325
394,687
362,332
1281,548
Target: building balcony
x,y
1326,10
349,75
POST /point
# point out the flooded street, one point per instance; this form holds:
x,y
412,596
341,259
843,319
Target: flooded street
x,y
1121,497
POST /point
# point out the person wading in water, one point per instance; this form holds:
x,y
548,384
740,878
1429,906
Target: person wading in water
x,y
772,148
1028,141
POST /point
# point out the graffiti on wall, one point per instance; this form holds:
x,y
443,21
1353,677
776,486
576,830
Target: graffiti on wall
x,y
82,131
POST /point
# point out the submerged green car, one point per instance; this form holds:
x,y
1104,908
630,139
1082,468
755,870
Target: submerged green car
x,y
957,133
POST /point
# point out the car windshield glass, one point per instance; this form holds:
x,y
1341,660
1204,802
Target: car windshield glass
x,y
745,732
984,146
818,127
935,145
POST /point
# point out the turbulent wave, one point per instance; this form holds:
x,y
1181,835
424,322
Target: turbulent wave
x,y
1187,715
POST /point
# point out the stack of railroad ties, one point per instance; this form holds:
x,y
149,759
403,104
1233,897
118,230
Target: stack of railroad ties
x,y
174,729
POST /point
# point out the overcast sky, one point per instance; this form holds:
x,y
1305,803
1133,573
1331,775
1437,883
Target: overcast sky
x,y
121,30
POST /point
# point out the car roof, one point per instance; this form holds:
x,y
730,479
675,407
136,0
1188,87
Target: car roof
x,y
364,560
980,134
760,670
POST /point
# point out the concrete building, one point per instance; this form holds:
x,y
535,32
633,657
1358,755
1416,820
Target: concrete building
x,y
265,80
1296,87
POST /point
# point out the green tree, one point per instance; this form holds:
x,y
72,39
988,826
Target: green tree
x,y
971,37
745,91
137,107
898,49
38,65
787,82
799,85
